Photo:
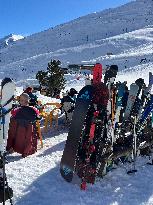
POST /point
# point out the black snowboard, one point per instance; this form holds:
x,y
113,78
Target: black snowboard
x,y
68,160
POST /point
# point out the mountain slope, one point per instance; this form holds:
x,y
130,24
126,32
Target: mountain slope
x,y
132,16
87,39
129,50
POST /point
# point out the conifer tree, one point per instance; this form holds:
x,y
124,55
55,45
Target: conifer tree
x,y
52,79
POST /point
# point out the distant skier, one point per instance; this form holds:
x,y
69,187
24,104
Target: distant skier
x,y
68,103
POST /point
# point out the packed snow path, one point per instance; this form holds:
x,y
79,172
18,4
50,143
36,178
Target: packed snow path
x,y
36,180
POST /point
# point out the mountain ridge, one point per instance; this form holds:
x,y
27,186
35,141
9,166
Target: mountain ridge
x,y
9,40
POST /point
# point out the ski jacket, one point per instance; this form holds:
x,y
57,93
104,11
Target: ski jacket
x,y
23,132
67,99
16,110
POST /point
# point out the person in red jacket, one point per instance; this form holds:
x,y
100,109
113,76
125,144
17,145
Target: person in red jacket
x,y
24,101
23,132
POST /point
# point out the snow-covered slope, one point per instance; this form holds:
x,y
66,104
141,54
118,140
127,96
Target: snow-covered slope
x,y
130,51
88,38
9,40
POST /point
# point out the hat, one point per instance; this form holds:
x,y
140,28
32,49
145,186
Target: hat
x,y
73,91
28,89
140,82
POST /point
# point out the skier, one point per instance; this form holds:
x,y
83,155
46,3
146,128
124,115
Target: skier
x,y
68,103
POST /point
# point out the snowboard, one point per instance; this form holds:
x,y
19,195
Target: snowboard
x,y
134,88
120,94
109,80
147,111
100,100
110,73
150,79
6,101
145,94
67,165
97,73
139,98
93,135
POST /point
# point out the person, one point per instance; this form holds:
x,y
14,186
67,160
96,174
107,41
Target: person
x,y
88,80
70,97
33,98
68,103
23,132
24,101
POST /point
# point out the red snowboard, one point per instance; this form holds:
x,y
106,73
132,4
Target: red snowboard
x,y
97,73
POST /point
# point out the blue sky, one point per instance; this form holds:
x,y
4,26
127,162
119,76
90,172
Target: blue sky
x,y
30,16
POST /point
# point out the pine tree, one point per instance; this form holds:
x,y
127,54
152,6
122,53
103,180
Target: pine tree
x,y
52,79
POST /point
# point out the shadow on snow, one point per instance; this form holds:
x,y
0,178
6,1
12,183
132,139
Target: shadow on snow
x,y
116,188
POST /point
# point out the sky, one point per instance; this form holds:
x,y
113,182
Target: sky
x,y
26,17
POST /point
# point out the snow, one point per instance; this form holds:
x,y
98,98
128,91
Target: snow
x,y
36,180
127,33
32,173
9,40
